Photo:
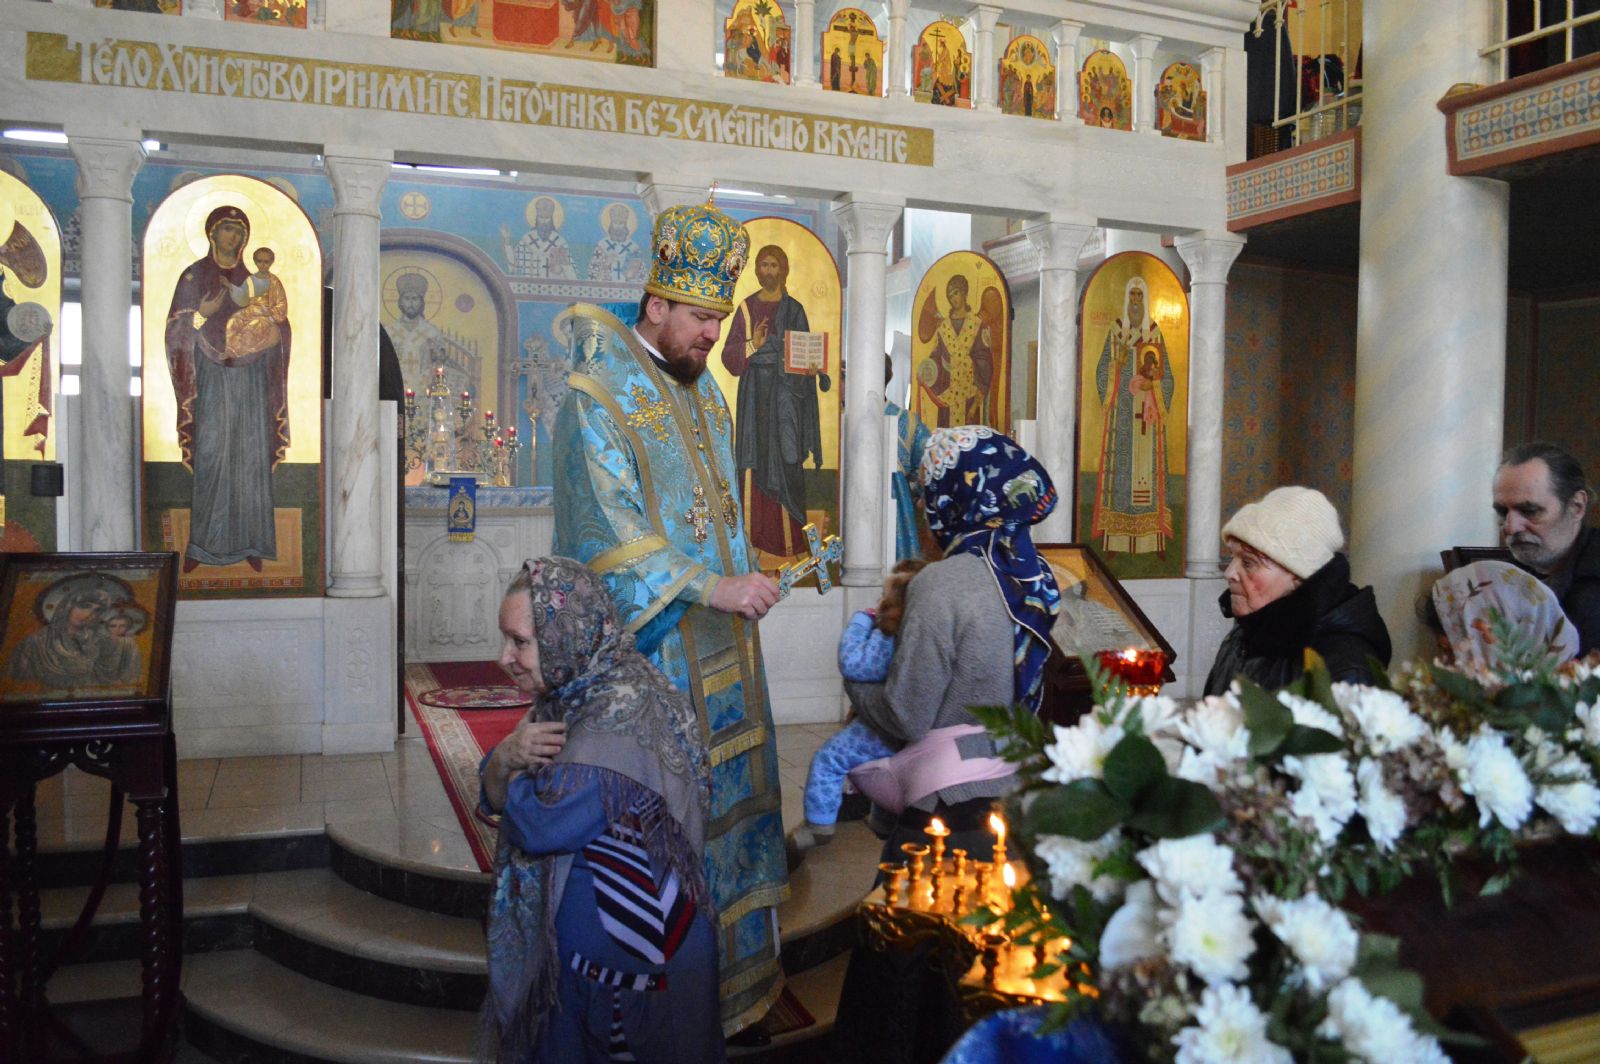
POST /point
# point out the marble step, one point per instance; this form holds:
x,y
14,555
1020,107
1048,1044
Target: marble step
x,y
77,862
216,915
242,1006
817,921
315,923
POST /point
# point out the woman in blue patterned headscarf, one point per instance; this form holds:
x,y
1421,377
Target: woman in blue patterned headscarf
x,y
983,493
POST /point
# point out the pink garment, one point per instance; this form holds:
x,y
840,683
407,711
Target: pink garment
x,y
930,764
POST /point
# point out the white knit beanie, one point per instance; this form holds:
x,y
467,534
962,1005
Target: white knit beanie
x,y
1296,527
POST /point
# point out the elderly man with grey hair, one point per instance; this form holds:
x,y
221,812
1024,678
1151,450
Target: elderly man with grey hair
x,y
1541,498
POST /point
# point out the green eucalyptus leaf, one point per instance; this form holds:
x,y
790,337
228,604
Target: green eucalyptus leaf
x,y
1175,809
1133,766
1303,740
1380,674
1268,719
1083,809
1456,685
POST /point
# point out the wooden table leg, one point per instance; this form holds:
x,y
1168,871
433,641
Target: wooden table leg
x,y
153,918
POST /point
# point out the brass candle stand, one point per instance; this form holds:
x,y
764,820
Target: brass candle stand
x,y
930,897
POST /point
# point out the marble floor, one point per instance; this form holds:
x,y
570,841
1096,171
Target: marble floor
x,y
391,802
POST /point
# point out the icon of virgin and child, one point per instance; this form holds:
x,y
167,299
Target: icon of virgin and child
x,y
88,639
228,342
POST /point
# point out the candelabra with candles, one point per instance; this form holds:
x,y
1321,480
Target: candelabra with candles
x,y
442,445
935,894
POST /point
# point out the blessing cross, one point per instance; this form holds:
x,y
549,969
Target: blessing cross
x,y
824,552
699,515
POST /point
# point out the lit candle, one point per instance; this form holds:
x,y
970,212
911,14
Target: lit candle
x,y
488,415
998,826
1008,876
466,397
498,442
939,832
438,371
411,393
513,432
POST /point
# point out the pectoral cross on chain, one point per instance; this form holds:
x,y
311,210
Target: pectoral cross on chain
x,y
824,552
699,515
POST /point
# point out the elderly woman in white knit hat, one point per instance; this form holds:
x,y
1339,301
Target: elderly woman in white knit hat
x,y
1288,589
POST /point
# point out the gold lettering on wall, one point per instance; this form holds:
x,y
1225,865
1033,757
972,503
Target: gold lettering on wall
x,y
292,79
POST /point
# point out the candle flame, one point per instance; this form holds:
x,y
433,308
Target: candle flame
x,y
1009,874
1131,654
997,826
937,826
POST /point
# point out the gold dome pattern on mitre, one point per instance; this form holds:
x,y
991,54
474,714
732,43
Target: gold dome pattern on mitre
x,y
699,254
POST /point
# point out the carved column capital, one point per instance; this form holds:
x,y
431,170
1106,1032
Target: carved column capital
x,y
867,223
661,192
1209,256
1058,243
106,166
357,183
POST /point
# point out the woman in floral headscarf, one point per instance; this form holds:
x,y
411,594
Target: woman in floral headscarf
x,y
1467,601
975,632
601,941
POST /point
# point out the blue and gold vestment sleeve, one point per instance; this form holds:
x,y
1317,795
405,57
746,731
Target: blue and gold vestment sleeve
x,y
604,511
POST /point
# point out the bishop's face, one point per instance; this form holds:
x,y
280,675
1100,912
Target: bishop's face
x,y
1135,305
686,337
411,304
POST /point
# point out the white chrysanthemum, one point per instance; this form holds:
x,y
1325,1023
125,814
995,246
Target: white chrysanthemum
x,y
1072,862
1327,793
1374,1029
1310,714
1383,716
1158,714
1133,933
1211,936
1216,726
1321,937
1228,1029
1080,751
1493,775
1198,864
1589,718
1574,801
1381,808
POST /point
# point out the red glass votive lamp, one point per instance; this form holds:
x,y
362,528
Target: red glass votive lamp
x,y
1140,669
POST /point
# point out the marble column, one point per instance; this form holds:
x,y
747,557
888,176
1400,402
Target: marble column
x,y
356,568
802,45
1058,244
106,464
1431,307
899,50
1144,82
866,221
1065,34
985,67
1209,256
1211,66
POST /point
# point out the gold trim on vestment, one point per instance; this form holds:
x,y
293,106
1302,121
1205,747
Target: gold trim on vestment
x,y
760,1008
738,744
632,551
768,897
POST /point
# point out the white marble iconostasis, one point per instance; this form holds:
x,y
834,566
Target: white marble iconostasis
x,y
319,673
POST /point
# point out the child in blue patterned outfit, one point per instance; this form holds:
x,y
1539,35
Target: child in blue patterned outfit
x,y
864,653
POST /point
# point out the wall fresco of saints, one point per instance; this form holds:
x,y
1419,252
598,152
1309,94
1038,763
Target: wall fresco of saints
x,y
757,42
852,54
961,344
1027,79
1105,95
233,397
941,66
30,308
1181,103
1133,416
605,31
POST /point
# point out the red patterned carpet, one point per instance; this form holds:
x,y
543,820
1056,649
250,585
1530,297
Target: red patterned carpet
x,y
458,738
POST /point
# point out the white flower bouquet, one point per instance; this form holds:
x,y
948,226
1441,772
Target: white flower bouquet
x,y
1196,857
